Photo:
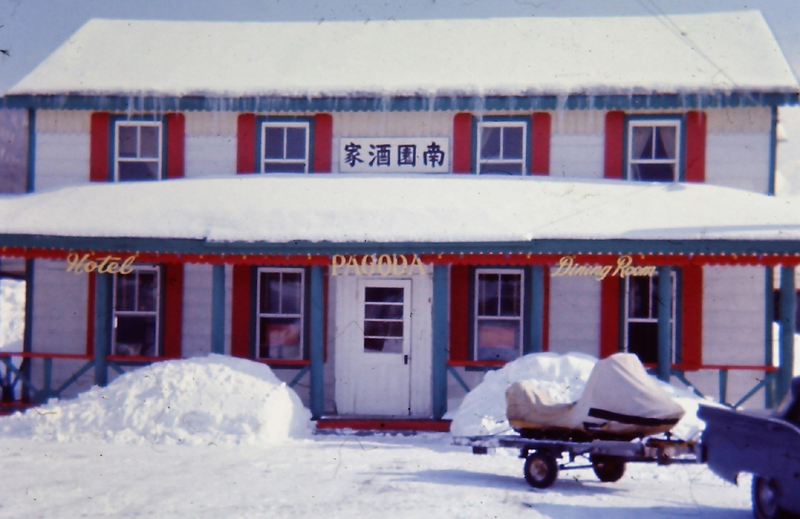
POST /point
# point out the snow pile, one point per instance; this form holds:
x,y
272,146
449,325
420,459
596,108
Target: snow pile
x,y
560,377
201,401
12,314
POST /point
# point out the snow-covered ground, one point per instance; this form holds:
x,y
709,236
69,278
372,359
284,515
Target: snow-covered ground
x,y
336,476
223,437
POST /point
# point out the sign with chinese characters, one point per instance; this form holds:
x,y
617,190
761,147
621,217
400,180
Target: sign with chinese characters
x,y
107,265
370,265
624,268
394,155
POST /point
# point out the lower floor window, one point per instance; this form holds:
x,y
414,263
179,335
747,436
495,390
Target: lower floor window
x,y
280,313
498,314
136,312
641,317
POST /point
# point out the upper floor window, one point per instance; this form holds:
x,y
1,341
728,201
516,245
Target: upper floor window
x,y
502,147
654,150
641,317
285,147
280,313
136,310
498,314
138,150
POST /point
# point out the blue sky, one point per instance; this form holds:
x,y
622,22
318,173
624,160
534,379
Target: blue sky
x,y
31,29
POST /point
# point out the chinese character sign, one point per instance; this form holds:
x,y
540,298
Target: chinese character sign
x,y
394,155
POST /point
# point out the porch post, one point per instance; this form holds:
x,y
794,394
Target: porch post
x,y
218,310
102,327
664,328
316,341
788,323
537,324
440,342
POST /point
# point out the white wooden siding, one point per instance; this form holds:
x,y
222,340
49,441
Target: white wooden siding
x,y
62,149
738,148
210,144
734,315
574,315
59,322
196,330
577,156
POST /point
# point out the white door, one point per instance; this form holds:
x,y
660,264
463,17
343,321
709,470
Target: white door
x,y
381,353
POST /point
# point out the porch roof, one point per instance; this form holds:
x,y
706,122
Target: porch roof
x,y
328,214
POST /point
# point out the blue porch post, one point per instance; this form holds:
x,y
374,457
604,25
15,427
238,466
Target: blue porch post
x,y
664,328
102,327
440,340
788,323
218,310
317,341
537,324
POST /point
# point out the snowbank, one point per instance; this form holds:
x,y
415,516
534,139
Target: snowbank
x,y
12,314
562,378
201,401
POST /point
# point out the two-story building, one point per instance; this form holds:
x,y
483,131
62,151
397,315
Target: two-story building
x,y
382,211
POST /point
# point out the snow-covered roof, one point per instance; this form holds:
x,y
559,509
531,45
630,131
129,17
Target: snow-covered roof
x,y
397,209
719,52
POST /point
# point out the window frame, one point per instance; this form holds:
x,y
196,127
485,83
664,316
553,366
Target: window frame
x,y
116,124
523,122
674,319
678,121
476,318
158,313
263,122
302,314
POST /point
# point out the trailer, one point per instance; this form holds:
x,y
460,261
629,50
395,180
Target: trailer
x,y
607,457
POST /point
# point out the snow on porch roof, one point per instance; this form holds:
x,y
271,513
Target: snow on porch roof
x,y
326,210
701,53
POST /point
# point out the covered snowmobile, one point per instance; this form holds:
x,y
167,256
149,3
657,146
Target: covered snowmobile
x,y
620,401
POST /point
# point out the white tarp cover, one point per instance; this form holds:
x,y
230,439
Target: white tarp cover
x,y
620,399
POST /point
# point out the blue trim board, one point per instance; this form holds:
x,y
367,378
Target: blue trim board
x,y
544,246
664,327
440,341
218,309
317,340
788,322
30,181
267,104
773,149
102,327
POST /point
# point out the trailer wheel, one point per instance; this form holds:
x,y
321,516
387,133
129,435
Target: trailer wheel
x,y
541,469
765,500
608,469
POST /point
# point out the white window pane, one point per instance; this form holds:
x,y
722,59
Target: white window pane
x,y
273,142
148,292
135,335
292,292
148,142
490,143
139,170
127,141
665,144
498,339
511,295
512,142
280,338
284,167
488,294
296,143
125,299
642,146
653,172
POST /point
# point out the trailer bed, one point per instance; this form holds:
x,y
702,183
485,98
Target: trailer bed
x,y
607,457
